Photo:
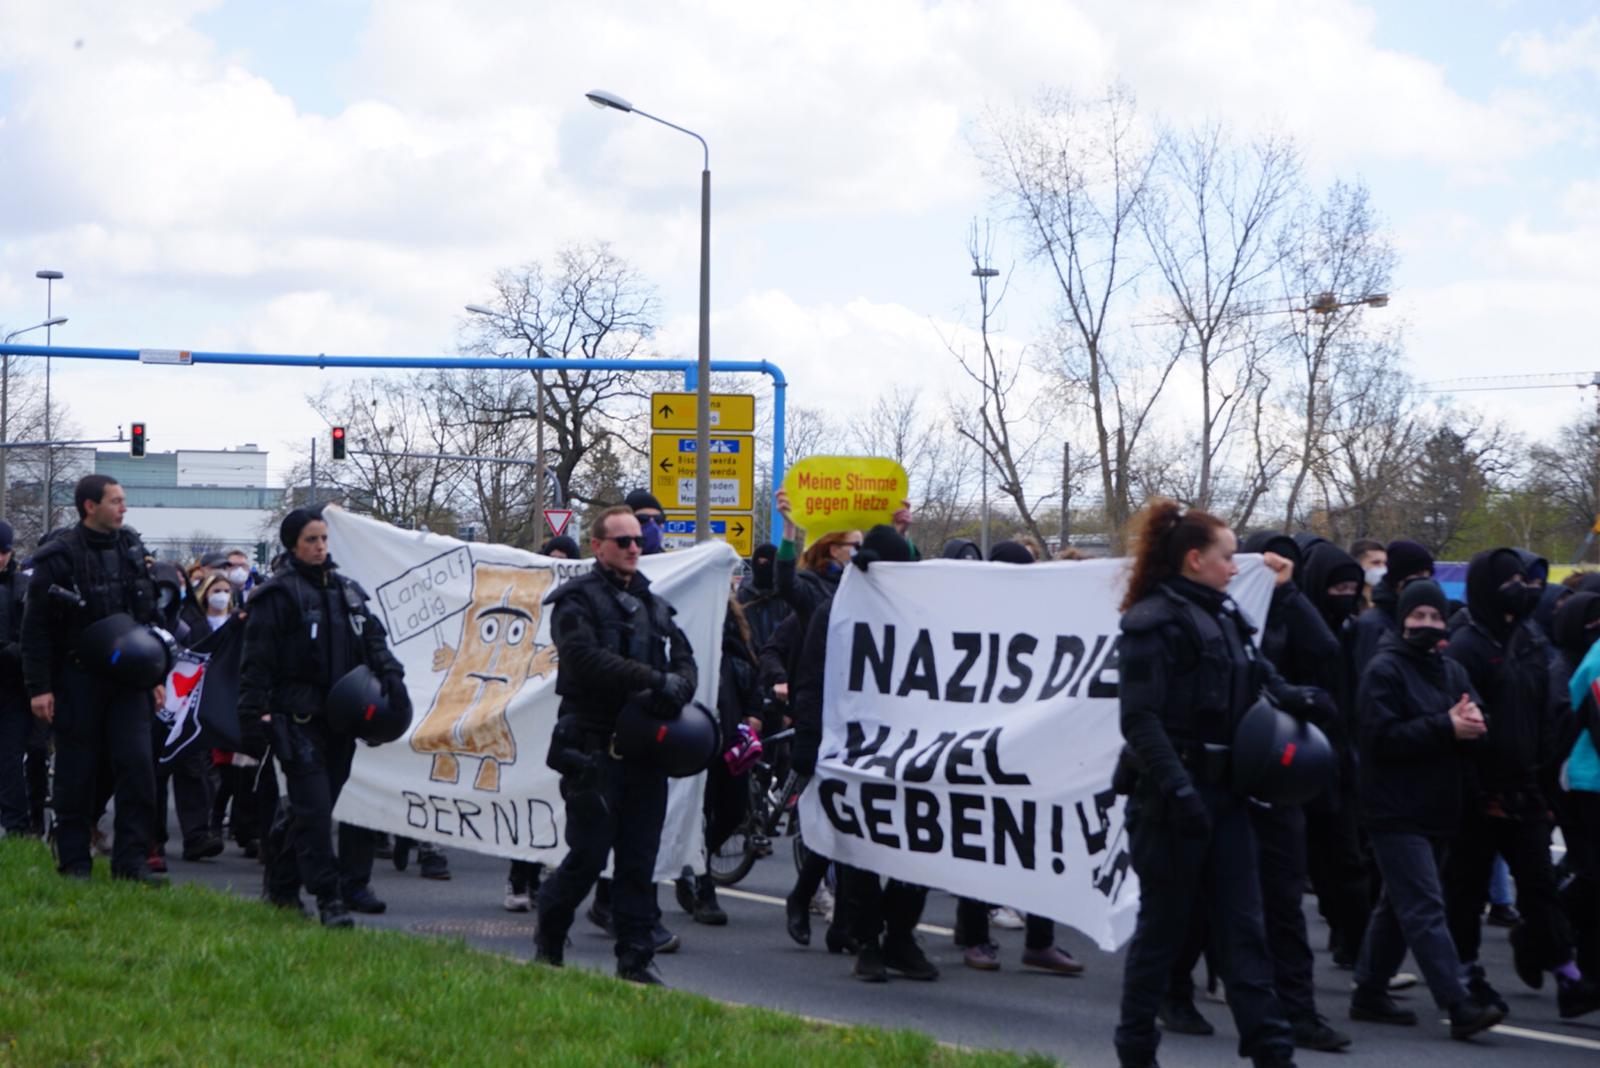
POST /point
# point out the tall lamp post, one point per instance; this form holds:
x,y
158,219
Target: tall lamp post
x,y
983,274
540,474
50,279
702,468
5,405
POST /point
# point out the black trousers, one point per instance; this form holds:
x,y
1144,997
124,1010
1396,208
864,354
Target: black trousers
x,y
16,727
616,809
881,908
1581,893
316,763
1339,875
1525,845
972,926
1220,871
1281,834
358,848
192,781
1411,914
97,724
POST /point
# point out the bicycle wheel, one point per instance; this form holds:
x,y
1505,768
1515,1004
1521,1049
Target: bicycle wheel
x,y
736,857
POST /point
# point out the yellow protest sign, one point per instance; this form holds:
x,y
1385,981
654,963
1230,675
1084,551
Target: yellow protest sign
x,y
828,493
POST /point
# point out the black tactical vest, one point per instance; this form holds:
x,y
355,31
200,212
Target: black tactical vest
x,y
110,579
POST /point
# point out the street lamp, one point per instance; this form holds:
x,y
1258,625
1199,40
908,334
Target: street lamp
x,y
5,403
50,279
983,274
702,470
540,475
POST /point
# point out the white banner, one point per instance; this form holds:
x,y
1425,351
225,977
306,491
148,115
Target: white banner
x,y
970,730
468,622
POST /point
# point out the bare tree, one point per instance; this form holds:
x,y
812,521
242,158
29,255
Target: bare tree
x,y
591,305
1072,176
1335,258
1210,217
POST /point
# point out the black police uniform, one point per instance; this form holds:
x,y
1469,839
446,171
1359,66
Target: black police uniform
x,y
306,627
16,718
110,574
1188,672
616,638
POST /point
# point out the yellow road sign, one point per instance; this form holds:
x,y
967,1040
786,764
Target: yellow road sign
x,y
730,412
733,471
738,530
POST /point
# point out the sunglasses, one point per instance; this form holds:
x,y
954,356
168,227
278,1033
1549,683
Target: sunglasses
x,y
851,544
626,541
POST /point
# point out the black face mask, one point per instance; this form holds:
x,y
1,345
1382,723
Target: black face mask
x,y
763,571
1338,607
1531,596
1425,639
1511,598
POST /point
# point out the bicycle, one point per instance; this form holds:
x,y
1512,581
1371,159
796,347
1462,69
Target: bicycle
x,y
774,812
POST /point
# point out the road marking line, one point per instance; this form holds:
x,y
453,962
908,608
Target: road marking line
x,y
1547,1036
768,899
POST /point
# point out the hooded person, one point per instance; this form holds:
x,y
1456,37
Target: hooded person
x,y
1408,561
560,546
758,595
1508,661
961,549
1577,625
1332,580
1417,711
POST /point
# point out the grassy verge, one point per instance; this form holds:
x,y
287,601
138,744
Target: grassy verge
x,y
106,973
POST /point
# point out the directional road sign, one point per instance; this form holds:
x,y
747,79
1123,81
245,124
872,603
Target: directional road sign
x,y
730,412
733,471
737,530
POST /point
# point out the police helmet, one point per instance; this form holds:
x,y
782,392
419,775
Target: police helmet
x,y
125,652
1280,759
682,744
357,706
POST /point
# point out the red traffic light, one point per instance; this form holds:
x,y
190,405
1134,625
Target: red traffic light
x,y
338,443
136,440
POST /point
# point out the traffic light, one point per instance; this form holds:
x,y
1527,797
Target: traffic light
x,y
338,443
136,441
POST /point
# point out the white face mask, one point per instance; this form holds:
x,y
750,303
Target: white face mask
x,y
1374,575
238,575
219,601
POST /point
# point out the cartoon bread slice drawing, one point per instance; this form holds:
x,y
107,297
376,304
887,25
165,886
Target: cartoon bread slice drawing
x,y
494,657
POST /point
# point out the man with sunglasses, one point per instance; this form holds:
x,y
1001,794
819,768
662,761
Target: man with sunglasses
x,y
618,643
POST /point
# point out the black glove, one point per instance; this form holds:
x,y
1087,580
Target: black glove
x,y
804,758
675,688
1188,812
394,688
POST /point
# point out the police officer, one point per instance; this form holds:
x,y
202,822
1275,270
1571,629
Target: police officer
x,y
617,640
306,627
83,575
1188,672
16,724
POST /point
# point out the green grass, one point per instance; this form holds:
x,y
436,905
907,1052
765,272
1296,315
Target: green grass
x,y
108,973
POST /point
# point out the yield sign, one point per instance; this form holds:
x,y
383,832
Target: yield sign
x,y
558,518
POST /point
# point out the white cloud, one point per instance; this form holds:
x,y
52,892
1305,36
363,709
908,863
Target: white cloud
x,y
1574,50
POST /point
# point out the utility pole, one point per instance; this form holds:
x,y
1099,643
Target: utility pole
x,y
1066,492
313,502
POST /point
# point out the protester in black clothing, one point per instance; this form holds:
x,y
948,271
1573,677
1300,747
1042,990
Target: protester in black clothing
x,y
561,547
727,795
1407,562
307,626
1188,673
618,643
764,608
1574,629
1332,580
1416,708
1509,661
16,721
104,567
883,914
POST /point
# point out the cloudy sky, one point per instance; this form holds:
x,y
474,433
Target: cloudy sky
x,y
341,176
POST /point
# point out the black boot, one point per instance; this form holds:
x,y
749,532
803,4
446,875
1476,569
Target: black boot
x,y
683,887
636,967
1471,1016
706,910
903,955
1480,990
870,967
333,913
1376,1006
1576,997
797,919
1182,1018
549,946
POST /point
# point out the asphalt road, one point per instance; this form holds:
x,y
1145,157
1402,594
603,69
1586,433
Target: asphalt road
x,y
752,961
